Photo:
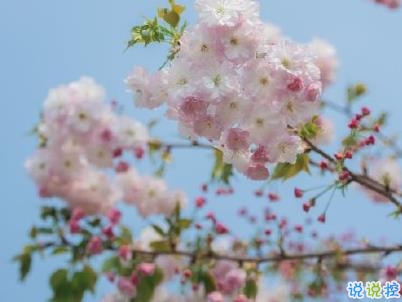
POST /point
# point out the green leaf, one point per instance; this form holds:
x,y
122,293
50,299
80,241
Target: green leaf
x,y
170,17
351,140
185,223
250,289
84,281
60,250
159,230
60,285
310,129
33,232
95,222
395,214
112,264
65,214
355,91
160,246
208,281
221,171
285,170
25,262
48,212
147,33
178,9
126,236
45,231
147,285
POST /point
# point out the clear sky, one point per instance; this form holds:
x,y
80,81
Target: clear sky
x,y
45,43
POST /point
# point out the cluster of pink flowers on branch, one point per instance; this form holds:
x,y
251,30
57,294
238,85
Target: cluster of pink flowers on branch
x,y
83,141
240,84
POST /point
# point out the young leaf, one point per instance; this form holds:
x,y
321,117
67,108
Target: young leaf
x,y
159,230
285,170
251,289
25,262
185,223
161,246
147,285
221,171
60,285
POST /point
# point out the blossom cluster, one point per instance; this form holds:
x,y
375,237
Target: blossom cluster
x,y
240,84
83,141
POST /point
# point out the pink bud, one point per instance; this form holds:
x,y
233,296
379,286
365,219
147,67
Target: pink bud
x,y
299,228
95,245
353,124
323,165
200,202
122,167
77,214
258,193
125,253
296,84
370,140
108,231
134,278
117,152
106,135
74,226
322,218
114,215
339,156
269,217
139,152
147,269
211,216
298,193
283,223
344,176
273,197
111,276
365,111
348,154
221,229
306,207
187,273
126,287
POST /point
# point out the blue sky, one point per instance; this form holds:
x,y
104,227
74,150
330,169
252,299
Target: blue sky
x,y
45,43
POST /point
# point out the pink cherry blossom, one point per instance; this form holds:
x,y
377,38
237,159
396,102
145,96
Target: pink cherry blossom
x,y
147,269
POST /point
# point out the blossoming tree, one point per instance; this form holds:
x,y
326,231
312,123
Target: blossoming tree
x,y
242,91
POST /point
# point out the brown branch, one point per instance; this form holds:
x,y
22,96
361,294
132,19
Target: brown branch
x,y
363,180
180,145
278,257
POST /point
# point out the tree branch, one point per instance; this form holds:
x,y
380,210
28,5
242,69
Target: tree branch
x,y
363,180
